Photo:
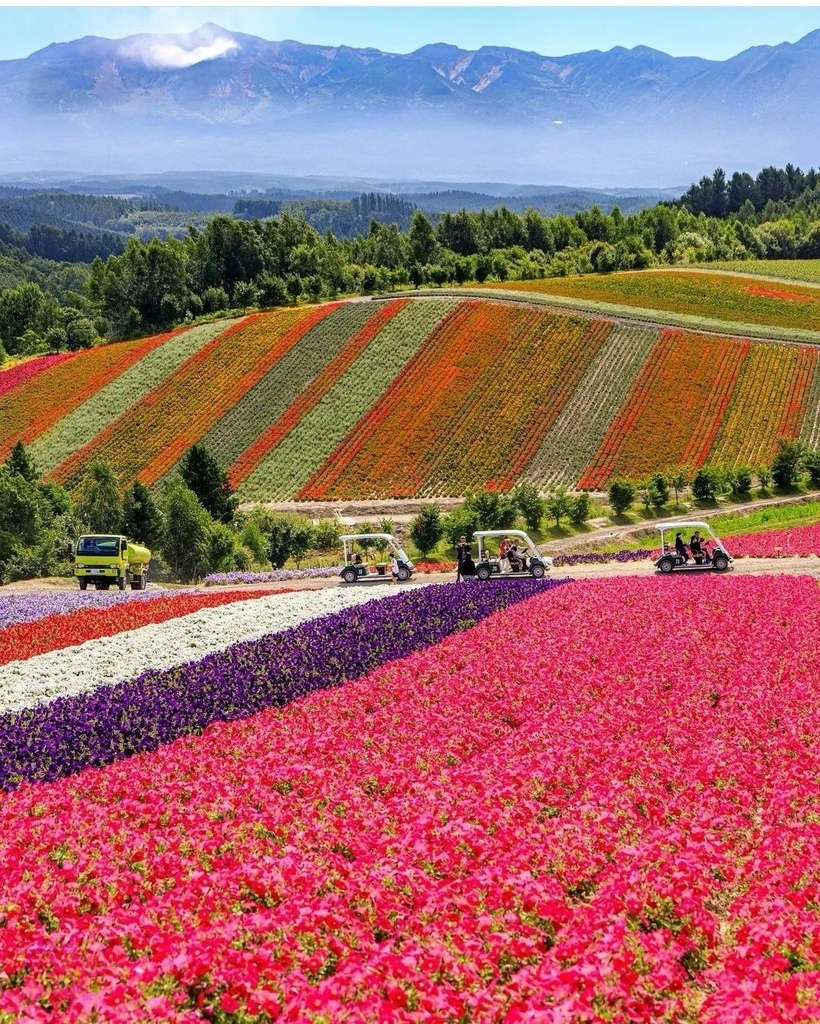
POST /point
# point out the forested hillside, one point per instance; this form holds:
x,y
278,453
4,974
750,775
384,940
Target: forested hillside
x,y
233,264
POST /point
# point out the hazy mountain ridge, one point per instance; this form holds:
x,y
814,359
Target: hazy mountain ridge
x,y
218,99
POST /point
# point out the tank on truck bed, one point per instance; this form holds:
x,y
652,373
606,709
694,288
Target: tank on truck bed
x,y
103,559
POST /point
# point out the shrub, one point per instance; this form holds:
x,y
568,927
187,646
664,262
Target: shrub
x,y
787,464
426,529
621,496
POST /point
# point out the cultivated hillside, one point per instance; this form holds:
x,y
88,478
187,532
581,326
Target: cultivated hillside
x,y
415,396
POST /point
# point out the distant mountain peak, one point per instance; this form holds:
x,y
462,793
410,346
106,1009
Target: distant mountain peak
x,y
166,52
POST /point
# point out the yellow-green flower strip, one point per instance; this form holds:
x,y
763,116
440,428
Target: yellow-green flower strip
x,y
810,432
83,424
282,384
291,464
585,419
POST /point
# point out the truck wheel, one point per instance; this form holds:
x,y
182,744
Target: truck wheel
x,y
537,571
83,583
102,585
121,582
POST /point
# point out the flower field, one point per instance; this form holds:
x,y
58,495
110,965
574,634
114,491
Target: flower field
x,y
730,297
15,375
38,402
588,828
417,397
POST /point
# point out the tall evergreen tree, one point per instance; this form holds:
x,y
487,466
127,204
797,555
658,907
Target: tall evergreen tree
x,y
21,463
200,471
141,520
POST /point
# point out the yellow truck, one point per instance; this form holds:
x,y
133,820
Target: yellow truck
x,y
104,559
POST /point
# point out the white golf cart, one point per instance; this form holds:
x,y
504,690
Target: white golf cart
x,y
677,551
358,566
525,559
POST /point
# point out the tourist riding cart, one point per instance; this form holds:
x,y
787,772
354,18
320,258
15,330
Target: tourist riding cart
x,y
713,555
488,565
357,568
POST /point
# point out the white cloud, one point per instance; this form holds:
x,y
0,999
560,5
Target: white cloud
x,y
172,51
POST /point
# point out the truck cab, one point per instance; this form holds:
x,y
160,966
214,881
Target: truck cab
x,y
104,559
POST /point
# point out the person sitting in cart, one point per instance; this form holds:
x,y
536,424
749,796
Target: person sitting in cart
x,y
357,558
680,547
518,557
695,547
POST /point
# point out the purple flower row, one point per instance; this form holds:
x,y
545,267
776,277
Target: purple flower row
x,y
16,608
72,733
598,557
277,576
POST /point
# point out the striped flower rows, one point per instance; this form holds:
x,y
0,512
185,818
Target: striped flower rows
x,y
422,397
589,830
14,376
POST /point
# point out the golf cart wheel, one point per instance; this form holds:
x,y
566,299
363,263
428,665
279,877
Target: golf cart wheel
x,y
403,575
721,563
350,575
666,565
483,573
537,571
83,583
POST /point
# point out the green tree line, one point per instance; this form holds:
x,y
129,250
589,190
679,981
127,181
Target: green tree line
x,y
235,264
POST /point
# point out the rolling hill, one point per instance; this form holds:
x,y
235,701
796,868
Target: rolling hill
x,y
424,395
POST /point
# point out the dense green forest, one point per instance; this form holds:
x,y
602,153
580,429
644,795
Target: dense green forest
x,y
233,263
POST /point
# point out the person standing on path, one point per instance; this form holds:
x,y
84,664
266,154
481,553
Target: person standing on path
x,y
462,554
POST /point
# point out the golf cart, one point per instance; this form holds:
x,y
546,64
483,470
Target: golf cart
x,y
358,568
683,556
531,562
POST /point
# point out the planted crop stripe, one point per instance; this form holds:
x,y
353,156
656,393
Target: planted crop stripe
x,y
797,404
511,407
323,483
810,431
297,457
14,376
748,435
693,293
399,453
270,397
176,414
311,397
669,400
38,403
82,425
584,420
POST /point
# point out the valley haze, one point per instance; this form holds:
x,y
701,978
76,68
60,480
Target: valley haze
x,y
219,101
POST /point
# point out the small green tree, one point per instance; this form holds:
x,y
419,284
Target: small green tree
x,y
558,505
200,471
221,548
787,465
141,519
99,504
426,529
740,482
460,522
288,537
21,463
621,496
529,503
491,510
812,463
764,478
705,484
326,533
254,541
579,513
661,489
678,477
187,536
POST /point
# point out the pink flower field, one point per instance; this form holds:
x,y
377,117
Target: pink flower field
x,y
599,803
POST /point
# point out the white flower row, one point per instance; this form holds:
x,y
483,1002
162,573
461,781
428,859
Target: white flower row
x,y
114,659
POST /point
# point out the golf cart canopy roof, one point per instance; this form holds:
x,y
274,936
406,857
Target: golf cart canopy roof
x,y
388,537
502,533
688,524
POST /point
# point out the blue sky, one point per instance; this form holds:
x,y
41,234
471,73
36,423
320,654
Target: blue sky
x,y
714,32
